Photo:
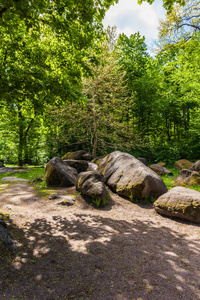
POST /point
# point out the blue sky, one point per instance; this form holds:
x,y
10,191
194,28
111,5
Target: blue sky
x,y
130,17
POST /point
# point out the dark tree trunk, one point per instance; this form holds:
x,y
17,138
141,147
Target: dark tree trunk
x,y
21,139
185,119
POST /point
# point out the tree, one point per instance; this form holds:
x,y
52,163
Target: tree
x,y
106,94
180,25
98,122
36,71
42,55
139,67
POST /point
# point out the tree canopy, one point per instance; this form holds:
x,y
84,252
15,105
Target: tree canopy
x,y
65,84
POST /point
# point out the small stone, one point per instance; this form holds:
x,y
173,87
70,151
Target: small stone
x,y
67,200
9,207
10,178
55,196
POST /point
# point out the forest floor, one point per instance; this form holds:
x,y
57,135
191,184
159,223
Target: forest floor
x,y
123,251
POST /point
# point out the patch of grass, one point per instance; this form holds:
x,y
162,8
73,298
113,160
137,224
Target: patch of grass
x,y
4,216
30,174
99,203
147,200
168,181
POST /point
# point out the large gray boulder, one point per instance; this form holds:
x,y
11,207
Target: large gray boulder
x,y
78,155
79,165
91,184
58,173
160,170
143,160
180,202
129,177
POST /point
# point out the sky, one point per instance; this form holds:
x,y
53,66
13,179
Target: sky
x,y
130,17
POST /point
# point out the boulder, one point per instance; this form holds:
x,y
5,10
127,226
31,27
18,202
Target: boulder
x,y
196,166
187,177
97,160
129,177
6,237
79,165
160,170
180,202
87,156
143,160
13,179
11,170
183,164
58,173
162,164
91,184
92,166
78,155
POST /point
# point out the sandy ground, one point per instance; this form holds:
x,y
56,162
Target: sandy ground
x,y
124,251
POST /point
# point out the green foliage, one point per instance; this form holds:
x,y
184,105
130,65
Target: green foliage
x,y
167,4
147,200
98,203
65,86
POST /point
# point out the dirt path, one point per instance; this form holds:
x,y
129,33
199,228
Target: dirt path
x,y
124,251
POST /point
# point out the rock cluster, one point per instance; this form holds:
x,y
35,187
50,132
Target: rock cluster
x,y
121,172
129,177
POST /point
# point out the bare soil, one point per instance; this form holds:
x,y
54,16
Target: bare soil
x,y
123,251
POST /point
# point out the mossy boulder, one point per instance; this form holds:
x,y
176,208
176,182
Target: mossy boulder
x,y
183,164
162,164
78,155
129,177
195,166
160,170
79,165
180,202
87,156
97,160
91,184
187,178
59,174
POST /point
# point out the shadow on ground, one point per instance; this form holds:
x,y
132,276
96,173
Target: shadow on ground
x,y
92,257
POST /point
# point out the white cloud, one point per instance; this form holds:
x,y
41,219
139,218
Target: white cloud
x,y
130,17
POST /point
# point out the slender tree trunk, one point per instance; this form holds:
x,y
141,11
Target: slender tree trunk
x,y
184,119
95,127
168,131
26,157
20,128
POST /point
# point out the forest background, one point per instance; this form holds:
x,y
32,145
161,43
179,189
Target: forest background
x,y
66,84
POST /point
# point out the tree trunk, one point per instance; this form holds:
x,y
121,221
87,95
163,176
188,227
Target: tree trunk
x,y
95,127
26,156
21,139
184,118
